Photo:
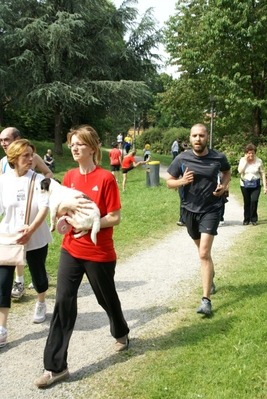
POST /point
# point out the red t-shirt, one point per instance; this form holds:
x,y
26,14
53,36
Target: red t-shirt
x,y
127,162
115,155
102,188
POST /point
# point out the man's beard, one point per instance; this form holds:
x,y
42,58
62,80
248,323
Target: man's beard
x,y
200,149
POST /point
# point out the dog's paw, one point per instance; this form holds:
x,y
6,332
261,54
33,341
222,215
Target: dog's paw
x,y
79,234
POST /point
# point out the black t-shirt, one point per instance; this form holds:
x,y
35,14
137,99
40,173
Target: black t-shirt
x,y
198,196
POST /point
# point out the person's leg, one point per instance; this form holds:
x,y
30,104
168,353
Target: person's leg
x,y
18,289
36,260
204,245
124,179
101,277
6,280
254,204
117,173
70,274
207,222
247,204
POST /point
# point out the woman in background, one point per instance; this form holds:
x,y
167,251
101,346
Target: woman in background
x,y
128,164
251,169
14,190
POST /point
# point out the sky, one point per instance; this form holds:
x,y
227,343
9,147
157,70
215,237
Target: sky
x,y
162,10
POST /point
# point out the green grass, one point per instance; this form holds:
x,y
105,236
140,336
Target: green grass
x,y
193,356
189,356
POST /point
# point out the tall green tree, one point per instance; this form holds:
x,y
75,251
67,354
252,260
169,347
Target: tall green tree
x,y
219,47
65,55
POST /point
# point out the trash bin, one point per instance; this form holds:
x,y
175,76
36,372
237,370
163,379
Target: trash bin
x,y
152,174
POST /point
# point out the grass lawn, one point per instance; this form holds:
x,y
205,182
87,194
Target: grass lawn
x,y
217,357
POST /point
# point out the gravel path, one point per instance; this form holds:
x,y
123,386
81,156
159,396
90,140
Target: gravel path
x,y
147,284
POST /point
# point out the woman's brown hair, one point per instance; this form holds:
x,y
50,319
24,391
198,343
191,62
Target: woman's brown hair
x,y
88,136
17,148
250,147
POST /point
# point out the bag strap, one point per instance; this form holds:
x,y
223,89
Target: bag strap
x,y
29,200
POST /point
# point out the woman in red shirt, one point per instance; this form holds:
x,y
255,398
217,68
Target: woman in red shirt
x,y
115,161
128,163
81,256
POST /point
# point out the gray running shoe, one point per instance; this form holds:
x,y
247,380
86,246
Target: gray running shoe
x,y
213,289
18,290
205,306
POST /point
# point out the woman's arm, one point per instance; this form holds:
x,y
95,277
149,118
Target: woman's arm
x,y
111,219
242,165
263,176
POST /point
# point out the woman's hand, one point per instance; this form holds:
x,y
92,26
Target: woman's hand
x,y
74,204
27,231
26,234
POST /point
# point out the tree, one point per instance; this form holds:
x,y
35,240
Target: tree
x,y
65,56
219,46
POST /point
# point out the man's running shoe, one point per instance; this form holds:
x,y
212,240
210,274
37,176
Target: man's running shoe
x,y
205,306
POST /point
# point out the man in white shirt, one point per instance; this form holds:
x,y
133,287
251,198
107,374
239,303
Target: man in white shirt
x,y
175,148
7,136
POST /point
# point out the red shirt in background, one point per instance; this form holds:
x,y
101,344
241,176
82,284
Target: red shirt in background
x,y
115,156
127,162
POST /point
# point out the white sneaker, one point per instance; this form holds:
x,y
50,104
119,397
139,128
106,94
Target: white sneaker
x,y
3,337
40,312
18,290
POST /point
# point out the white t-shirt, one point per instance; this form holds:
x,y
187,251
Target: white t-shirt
x,y
5,165
13,200
251,171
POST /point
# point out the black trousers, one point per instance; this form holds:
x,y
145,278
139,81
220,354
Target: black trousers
x,y
36,262
70,274
251,198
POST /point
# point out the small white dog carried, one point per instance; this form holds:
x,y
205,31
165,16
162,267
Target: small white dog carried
x,y
57,193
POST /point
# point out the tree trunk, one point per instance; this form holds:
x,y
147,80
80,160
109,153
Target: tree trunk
x,y
75,120
58,131
257,122
2,115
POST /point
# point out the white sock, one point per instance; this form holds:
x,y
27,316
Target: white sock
x,y
20,279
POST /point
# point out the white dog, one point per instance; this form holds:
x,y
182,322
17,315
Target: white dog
x,y
57,193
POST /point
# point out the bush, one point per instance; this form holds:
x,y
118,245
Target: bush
x,y
157,148
161,141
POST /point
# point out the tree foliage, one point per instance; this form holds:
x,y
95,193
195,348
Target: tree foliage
x,y
69,57
219,47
